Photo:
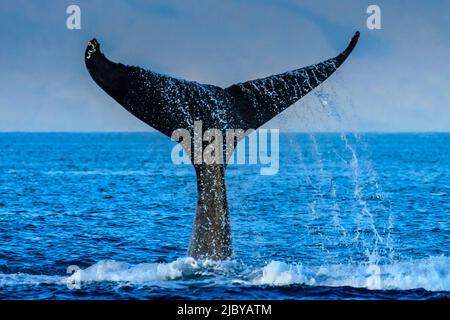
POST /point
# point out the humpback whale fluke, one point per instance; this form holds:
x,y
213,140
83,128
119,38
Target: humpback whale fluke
x,y
166,104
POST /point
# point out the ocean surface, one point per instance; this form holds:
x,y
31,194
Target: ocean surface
x,y
348,216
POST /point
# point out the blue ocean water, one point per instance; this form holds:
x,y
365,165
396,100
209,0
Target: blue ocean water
x,y
361,216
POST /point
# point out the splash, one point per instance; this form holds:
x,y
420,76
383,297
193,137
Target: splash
x,y
431,274
365,183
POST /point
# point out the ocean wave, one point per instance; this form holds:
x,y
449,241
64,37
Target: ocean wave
x,y
431,274
110,270
24,279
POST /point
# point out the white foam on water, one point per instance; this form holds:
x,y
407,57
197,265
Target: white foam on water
x,y
118,271
110,270
431,274
281,274
24,279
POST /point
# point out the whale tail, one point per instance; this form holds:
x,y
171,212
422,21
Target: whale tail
x,y
167,104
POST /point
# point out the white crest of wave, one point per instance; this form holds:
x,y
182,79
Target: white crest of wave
x,y
432,274
281,274
110,270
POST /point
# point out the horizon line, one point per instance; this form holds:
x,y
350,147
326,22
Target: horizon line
x,y
281,131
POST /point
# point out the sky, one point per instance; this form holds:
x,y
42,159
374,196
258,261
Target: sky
x,y
397,78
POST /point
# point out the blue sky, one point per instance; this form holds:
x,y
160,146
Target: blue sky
x,y
398,78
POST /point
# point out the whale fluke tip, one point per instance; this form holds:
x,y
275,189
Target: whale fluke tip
x,y
356,37
92,41
350,47
92,46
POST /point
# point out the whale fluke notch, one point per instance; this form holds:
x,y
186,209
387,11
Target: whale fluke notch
x,y
166,104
